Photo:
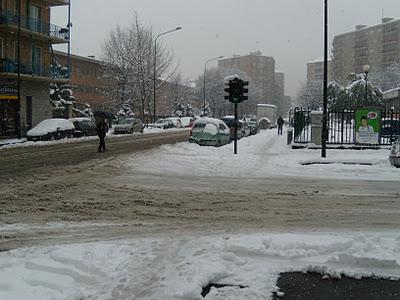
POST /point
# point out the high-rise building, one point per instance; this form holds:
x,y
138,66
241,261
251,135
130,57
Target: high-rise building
x,y
377,46
280,93
37,67
260,69
315,70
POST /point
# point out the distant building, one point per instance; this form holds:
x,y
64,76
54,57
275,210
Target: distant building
x,y
391,99
36,65
377,46
280,93
315,71
261,70
87,80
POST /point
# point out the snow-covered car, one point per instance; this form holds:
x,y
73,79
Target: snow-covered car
x,y
83,127
177,121
163,124
394,156
245,128
128,125
253,126
51,129
230,122
187,121
210,132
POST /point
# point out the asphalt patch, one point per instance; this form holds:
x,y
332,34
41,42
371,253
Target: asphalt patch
x,y
310,286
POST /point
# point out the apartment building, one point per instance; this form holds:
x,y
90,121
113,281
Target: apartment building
x,y
36,67
261,71
377,46
315,70
87,80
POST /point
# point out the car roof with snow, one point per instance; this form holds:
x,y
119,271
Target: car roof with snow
x,y
216,122
51,125
79,119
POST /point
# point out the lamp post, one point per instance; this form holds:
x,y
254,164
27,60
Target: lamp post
x,y
19,128
366,69
204,77
155,68
325,112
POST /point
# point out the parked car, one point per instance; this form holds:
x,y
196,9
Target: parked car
x,y
163,124
128,125
187,121
177,122
210,132
230,122
390,128
245,129
51,129
394,156
83,127
253,126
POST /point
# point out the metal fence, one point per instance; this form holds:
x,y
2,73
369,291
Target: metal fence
x,y
342,126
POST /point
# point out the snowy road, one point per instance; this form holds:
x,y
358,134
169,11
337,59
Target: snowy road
x,y
165,222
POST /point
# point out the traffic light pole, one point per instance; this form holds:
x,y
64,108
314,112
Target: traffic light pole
x,y
236,128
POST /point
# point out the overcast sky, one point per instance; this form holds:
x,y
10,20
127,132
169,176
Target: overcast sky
x,y
289,30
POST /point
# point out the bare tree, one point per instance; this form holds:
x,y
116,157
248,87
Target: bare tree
x,y
128,54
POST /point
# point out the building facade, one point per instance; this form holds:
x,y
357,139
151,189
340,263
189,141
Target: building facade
x,y
86,79
377,46
260,69
315,71
36,64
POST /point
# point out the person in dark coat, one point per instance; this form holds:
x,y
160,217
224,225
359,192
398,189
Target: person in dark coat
x,y
280,125
102,129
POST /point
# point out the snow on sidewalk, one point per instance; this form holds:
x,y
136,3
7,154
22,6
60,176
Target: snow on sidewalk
x,y
177,266
262,156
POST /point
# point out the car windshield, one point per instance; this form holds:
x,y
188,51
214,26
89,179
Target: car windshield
x,y
161,121
126,121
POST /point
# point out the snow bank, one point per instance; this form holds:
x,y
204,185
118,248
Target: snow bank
x,y
178,266
262,156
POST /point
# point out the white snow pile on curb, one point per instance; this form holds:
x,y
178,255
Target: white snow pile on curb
x,y
262,156
179,266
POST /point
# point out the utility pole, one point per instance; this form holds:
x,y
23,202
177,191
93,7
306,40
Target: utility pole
x,y
19,129
325,112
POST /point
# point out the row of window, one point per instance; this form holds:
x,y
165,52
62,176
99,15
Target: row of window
x,y
89,89
36,52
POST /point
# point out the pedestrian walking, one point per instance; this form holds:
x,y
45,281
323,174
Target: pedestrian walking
x,y
280,125
101,128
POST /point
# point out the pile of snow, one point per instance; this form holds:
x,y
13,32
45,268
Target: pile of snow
x,y
178,266
263,156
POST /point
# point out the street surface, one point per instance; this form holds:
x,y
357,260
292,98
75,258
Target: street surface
x,y
114,195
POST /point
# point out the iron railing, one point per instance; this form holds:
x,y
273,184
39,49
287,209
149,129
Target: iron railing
x,y
342,126
35,25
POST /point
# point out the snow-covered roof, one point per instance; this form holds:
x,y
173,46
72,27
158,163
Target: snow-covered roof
x,y
392,93
267,105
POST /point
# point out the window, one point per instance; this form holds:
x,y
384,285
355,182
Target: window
x,y
36,60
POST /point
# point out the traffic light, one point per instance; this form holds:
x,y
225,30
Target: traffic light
x,y
236,90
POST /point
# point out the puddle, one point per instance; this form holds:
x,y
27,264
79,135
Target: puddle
x,y
206,290
310,286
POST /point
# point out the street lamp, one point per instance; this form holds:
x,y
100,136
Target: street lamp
x,y
366,69
204,77
155,67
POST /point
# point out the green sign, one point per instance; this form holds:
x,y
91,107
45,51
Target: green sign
x,y
368,125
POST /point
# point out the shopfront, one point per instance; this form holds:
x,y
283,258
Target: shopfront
x,y
8,112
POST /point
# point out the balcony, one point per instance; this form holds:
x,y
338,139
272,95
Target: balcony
x,y
9,67
58,34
